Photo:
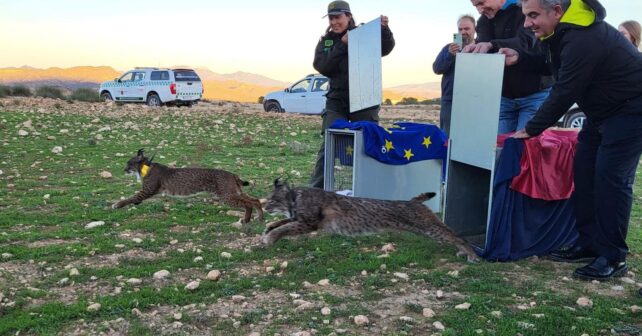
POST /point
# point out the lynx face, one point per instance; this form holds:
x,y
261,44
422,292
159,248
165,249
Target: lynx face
x,y
133,165
281,200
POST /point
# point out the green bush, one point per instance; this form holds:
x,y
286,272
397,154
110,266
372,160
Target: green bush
x,y
408,101
4,91
85,95
21,91
49,92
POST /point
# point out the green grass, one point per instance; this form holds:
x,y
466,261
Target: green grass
x,y
46,199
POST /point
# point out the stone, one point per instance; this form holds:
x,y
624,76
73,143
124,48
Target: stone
x,y
56,150
400,275
439,326
325,311
213,275
105,174
93,307
463,306
94,224
192,285
584,302
324,282
162,274
134,281
429,313
361,320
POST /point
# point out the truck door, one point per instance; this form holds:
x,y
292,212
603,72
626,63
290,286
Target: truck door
x,y
294,100
138,90
121,90
316,98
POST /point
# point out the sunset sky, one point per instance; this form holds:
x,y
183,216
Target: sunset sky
x,y
271,38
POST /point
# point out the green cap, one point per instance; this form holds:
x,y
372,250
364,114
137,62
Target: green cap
x,y
338,7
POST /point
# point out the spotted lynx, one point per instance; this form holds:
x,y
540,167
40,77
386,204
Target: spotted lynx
x,y
311,209
158,178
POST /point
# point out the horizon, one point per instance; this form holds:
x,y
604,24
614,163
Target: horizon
x,y
255,41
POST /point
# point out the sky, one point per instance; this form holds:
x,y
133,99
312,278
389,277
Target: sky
x,y
271,38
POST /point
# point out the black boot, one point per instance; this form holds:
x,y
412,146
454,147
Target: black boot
x,y
601,269
572,254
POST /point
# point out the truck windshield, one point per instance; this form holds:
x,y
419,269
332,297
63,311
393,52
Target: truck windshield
x,y
186,76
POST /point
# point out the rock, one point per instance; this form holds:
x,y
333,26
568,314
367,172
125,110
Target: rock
x,y
7,256
226,255
618,288
238,298
361,320
137,240
214,275
173,242
635,309
438,325
56,150
388,248
429,313
105,174
28,124
400,275
454,274
325,311
525,325
136,312
93,307
627,281
496,313
192,285
364,273
284,265
134,281
177,316
94,224
269,269
162,274
62,281
295,295
74,272
23,133
198,259
439,294
324,282
463,306
584,302
407,319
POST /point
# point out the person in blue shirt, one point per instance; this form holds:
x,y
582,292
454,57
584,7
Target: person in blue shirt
x,y
445,65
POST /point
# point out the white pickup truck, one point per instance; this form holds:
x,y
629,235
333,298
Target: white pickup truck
x,y
155,87
304,96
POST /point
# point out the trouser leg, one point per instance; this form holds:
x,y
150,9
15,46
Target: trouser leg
x,y
528,106
584,174
444,116
616,162
507,116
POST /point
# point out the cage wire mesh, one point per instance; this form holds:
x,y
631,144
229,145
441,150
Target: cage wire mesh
x,y
343,160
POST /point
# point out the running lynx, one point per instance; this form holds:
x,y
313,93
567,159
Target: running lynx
x,y
158,178
310,209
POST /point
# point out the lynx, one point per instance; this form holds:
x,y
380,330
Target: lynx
x,y
158,178
311,209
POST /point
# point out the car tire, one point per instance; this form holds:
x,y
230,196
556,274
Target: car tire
x,y
106,96
153,100
273,107
574,119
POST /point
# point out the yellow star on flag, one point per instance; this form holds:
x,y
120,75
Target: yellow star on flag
x,y
349,151
389,145
408,154
427,142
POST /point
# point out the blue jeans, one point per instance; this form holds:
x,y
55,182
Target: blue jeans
x,y
515,113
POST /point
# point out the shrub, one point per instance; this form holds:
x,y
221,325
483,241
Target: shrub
x,y
85,95
387,101
261,98
21,91
4,91
49,92
407,101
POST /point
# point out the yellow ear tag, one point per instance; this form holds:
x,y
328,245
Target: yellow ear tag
x,y
144,170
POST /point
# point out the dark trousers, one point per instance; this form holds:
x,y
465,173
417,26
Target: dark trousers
x,y
606,159
337,109
444,116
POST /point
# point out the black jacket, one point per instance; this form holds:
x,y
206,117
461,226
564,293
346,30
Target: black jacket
x,y
506,30
331,60
593,64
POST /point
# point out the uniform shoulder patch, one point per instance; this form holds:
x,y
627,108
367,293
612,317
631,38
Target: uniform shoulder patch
x,y
328,43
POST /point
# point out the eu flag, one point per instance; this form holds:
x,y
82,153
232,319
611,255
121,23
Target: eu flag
x,y
400,144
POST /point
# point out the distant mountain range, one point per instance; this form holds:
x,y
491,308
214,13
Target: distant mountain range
x,y
237,86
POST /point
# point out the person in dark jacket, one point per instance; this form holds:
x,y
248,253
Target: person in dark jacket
x,y
597,67
632,31
445,65
331,60
501,26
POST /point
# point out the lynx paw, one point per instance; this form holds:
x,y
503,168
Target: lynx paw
x,y
116,205
266,240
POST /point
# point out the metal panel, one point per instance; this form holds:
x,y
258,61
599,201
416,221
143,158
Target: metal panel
x,y
373,179
364,62
475,112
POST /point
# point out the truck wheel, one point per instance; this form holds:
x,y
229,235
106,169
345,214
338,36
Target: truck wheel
x,y
106,96
273,107
153,100
574,119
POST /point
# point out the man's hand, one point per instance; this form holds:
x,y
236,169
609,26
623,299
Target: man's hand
x,y
344,38
478,48
512,56
384,21
453,49
521,134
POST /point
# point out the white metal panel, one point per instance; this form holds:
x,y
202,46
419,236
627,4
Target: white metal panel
x,y
364,62
475,111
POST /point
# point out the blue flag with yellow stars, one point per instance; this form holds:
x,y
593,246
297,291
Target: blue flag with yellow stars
x,y
400,144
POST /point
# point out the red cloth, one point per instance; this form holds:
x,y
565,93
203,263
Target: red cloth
x,y
546,165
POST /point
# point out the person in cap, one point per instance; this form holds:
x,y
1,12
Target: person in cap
x,y
597,67
632,31
331,60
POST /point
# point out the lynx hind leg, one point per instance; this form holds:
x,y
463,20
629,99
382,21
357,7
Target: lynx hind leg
x,y
271,226
290,229
469,252
246,202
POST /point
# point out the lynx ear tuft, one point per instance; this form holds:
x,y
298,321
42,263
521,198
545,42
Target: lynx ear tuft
x,y
278,183
141,152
